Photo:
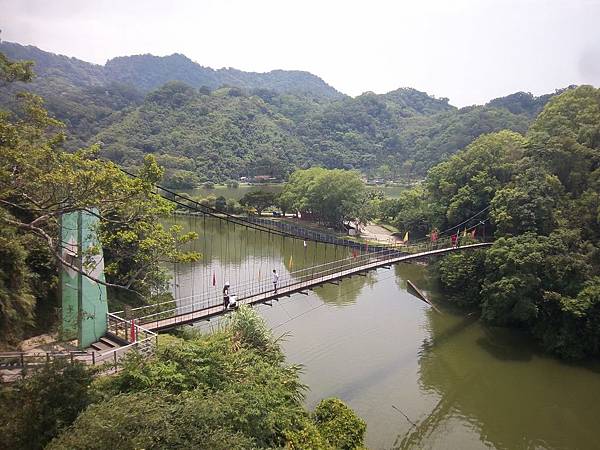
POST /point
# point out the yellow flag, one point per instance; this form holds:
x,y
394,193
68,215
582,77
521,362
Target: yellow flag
x,y
406,237
465,233
291,264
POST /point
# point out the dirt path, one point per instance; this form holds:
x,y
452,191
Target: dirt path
x,y
377,233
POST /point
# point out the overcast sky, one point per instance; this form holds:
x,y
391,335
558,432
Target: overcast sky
x,y
468,50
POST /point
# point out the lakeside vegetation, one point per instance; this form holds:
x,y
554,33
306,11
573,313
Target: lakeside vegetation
x,y
40,181
230,389
543,194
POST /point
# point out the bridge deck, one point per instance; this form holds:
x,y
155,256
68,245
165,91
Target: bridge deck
x,y
286,290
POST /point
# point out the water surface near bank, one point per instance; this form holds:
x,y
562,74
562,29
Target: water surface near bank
x,y
369,342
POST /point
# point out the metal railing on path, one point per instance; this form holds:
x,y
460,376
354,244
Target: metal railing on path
x,y
17,364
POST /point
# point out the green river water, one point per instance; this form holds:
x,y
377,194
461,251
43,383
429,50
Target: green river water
x,y
420,378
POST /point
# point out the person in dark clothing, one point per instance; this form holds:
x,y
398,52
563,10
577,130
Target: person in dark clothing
x,y
226,295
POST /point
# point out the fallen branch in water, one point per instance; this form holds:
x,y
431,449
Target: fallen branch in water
x,y
405,416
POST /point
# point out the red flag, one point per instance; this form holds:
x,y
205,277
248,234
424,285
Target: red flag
x,y
214,279
473,233
133,337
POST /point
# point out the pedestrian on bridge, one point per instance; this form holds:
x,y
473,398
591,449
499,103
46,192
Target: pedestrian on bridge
x,y
275,280
226,295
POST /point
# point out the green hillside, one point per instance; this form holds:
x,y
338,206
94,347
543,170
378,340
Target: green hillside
x,y
207,124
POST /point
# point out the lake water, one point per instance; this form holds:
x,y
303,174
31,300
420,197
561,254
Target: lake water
x,y
420,378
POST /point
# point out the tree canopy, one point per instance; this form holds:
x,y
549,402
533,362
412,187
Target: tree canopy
x,y
539,194
230,389
331,196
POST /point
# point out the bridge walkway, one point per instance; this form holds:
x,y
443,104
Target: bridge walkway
x,y
295,286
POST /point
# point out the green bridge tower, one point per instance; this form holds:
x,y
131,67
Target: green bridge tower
x,y
84,302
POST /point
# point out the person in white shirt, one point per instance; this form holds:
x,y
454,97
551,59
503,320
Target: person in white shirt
x,y
275,280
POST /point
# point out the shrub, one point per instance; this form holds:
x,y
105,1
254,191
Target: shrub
x,y
339,425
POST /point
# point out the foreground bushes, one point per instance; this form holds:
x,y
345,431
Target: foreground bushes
x,y
228,390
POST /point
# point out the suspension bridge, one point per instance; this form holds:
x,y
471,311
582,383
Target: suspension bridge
x,y
297,283
249,275
245,251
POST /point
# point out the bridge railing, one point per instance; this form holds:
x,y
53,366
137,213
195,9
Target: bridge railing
x,y
202,302
139,338
16,364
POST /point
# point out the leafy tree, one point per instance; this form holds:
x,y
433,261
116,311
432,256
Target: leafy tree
x,y
519,270
39,182
11,71
467,182
461,276
221,203
339,425
570,326
332,196
411,211
528,204
259,200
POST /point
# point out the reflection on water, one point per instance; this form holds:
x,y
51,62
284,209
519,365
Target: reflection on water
x,y
421,379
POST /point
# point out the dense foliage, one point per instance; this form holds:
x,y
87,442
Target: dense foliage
x,y
541,195
229,389
34,410
39,182
259,200
215,125
333,197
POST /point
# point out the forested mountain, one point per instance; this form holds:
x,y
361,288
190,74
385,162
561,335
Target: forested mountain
x,y
207,124
231,132
148,72
217,135
522,103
